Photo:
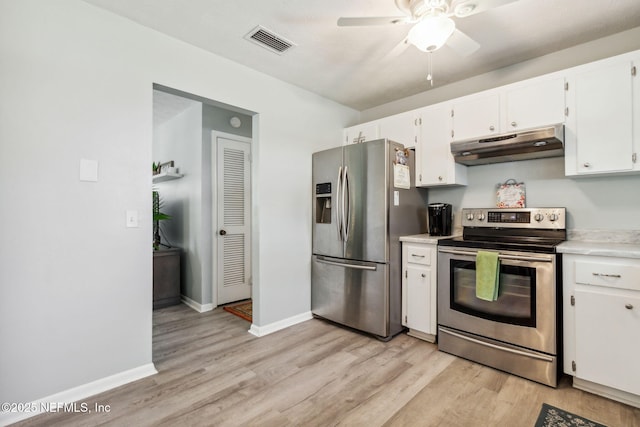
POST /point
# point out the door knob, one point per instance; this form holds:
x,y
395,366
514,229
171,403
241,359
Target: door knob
x,y
223,232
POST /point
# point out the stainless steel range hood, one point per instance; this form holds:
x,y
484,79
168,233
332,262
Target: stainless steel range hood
x,y
528,144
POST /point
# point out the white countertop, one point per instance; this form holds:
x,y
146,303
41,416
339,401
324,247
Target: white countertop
x,y
611,249
609,246
424,238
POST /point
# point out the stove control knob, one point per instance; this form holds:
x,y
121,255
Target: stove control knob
x,y
470,216
481,217
553,217
538,217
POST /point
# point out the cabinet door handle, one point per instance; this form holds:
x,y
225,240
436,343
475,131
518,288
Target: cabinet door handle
x,y
617,276
514,124
417,256
586,164
492,128
628,306
424,275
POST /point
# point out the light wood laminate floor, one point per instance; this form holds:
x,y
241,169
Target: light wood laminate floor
x,y
212,372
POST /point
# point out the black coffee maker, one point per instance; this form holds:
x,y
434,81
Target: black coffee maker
x,y
439,215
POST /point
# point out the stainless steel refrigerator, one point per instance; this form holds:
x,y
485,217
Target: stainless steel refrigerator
x,y
360,209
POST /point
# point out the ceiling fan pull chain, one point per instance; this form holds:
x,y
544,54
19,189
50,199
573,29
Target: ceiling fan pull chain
x,y
430,68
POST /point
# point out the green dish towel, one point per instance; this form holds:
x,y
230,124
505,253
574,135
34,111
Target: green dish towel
x,y
487,275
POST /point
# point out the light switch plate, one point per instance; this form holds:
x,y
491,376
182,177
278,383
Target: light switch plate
x,y
88,170
132,219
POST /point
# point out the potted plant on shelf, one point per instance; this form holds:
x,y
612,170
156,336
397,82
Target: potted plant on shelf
x,y
157,217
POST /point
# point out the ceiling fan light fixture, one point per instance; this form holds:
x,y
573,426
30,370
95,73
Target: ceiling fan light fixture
x,y
431,33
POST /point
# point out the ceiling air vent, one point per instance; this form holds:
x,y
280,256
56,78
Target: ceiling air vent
x,y
267,39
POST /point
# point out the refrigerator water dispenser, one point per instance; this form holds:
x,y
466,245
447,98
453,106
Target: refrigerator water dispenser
x,y
323,203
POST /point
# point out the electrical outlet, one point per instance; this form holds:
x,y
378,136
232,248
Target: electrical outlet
x,y
132,219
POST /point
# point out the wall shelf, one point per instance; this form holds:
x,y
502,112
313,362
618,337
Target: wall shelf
x,y
166,176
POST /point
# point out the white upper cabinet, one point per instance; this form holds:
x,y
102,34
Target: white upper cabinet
x,y
539,102
519,106
599,133
434,162
400,128
362,133
475,116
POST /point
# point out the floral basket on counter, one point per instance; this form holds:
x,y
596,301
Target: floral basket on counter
x,y
510,194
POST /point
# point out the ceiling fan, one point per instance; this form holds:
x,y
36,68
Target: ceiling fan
x,y
432,24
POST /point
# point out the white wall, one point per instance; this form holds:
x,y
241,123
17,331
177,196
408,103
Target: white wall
x,y
592,203
180,139
77,82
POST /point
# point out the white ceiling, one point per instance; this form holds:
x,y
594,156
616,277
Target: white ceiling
x,y
166,106
350,64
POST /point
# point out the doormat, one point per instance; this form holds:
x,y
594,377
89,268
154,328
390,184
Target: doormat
x,y
244,310
550,416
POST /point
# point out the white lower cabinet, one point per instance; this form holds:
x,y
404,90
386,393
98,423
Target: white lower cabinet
x,y
419,291
602,325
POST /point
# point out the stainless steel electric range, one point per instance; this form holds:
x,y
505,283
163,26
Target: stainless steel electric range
x,y
519,332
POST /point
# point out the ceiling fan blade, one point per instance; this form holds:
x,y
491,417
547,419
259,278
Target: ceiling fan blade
x,y
374,20
397,50
463,8
462,43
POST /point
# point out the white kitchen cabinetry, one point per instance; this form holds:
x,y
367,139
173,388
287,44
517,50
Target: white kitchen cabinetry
x,y
362,132
602,325
400,128
419,291
599,133
434,162
475,116
519,106
534,103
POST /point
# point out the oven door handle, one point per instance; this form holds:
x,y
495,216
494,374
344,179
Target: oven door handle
x,y
497,347
500,256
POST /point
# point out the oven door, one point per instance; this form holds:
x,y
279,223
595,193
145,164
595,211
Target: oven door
x,y
524,313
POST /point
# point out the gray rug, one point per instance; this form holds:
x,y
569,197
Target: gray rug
x,y
550,416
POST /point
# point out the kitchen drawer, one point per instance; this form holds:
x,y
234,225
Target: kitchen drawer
x,y
619,273
417,254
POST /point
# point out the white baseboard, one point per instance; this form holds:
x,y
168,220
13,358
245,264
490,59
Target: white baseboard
x,y
608,392
260,331
77,393
200,308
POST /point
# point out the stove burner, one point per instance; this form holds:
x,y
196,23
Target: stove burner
x,y
523,229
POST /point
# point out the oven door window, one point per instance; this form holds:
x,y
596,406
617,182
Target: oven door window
x,y
516,297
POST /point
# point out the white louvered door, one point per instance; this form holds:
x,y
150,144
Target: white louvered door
x,y
233,271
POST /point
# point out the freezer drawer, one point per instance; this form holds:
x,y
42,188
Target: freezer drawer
x,y
352,293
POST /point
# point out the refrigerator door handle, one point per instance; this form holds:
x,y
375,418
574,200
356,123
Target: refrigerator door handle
x,y
346,206
338,213
372,267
